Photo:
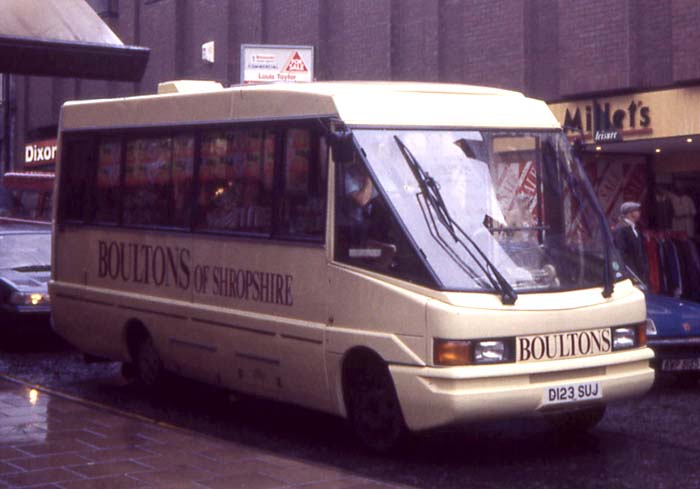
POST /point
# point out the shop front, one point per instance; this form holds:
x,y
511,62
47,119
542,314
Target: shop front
x,y
645,147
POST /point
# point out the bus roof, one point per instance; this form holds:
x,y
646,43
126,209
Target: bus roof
x,y
389,104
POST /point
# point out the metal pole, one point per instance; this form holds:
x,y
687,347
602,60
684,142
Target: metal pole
x,y
6,129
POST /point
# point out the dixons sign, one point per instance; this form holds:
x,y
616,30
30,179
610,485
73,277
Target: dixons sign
x,y
40,153
262,63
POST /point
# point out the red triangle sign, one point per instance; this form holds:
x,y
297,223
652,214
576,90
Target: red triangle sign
x,y
295,64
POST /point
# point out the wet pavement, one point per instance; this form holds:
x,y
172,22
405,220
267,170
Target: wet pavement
x,y
47,441
653,442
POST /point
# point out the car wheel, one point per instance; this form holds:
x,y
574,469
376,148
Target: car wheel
x,y
147,363
373,406
576,422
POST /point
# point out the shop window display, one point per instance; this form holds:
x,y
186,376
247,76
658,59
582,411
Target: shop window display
x,y
236,179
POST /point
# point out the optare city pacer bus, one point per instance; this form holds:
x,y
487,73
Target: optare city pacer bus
x,y
405,255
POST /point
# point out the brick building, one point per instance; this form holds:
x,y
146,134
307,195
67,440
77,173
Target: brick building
x,y
595,57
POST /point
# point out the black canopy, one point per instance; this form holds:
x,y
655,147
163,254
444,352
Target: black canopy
x,y
64,38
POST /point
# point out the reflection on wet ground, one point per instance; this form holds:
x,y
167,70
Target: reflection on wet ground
x,y
653,441
23,417
49,441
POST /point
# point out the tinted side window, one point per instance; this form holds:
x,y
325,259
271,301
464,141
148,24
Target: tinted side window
x,y
236,180
303,200
76,170
158,175
107,191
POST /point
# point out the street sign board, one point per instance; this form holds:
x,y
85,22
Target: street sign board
x,y
262,63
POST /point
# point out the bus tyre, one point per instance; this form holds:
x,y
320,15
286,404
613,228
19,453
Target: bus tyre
x,y
129,372
147,363
577,422
373,407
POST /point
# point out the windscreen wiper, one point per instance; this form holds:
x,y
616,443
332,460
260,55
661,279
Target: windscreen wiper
x,y
608,281
436,208
579,145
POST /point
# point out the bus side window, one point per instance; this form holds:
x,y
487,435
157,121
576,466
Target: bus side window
x,y
236,181
108,181
158,175
75,169
304,195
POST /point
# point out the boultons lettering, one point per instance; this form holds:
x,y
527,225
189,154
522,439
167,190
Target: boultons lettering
x,y
173,267
145,264
564,345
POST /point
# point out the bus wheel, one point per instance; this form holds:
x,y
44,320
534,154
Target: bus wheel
x,y
577,422
373,406
147,363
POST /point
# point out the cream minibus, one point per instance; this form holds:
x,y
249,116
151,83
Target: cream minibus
x,y
405,255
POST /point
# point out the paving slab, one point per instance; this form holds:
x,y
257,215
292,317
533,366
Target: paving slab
x,y
48,440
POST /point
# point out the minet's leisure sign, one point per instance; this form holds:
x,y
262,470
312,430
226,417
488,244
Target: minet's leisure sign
x,y
609,122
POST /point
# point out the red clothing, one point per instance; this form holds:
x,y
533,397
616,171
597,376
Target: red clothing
x,y
650,246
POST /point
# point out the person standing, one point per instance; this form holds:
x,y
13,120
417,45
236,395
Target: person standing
x,y
629,240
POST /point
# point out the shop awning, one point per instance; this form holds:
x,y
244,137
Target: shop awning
x,y
64,38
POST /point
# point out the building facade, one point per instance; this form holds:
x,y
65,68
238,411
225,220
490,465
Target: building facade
x,y
627,69
549,49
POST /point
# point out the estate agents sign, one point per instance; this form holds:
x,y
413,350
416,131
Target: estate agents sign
x,y
269,63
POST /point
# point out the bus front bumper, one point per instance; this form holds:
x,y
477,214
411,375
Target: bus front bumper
x,y
431,397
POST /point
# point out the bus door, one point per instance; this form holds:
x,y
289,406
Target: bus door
x,y
303,217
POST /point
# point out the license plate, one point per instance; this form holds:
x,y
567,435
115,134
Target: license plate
x,y
680,364
567,393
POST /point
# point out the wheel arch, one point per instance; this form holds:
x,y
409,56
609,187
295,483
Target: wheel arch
x,y
356,355
134,330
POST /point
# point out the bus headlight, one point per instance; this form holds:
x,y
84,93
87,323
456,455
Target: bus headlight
x,y
489,351
29,298
625,337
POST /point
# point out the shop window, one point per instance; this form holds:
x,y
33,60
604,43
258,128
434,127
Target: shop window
x,y
158,174
79,156
236,181
304,194
367,233
47,206
109,160
29,204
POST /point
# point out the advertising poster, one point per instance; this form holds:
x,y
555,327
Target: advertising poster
x,y
262,63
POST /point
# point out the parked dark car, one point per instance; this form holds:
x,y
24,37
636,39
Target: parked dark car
x,y
25,265
673,332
